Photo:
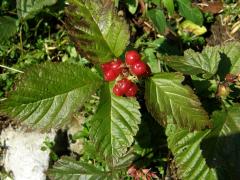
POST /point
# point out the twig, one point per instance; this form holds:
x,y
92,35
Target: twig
x,y
6,67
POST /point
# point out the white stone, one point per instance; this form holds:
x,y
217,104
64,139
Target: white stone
x,y
24,156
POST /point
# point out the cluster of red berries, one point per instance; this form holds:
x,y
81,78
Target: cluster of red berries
x,y
133,66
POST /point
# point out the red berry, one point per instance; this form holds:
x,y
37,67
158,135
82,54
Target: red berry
x,y
131,57
139,68
117,66
124,84
117,91
132,91
106,66
148,71
110,75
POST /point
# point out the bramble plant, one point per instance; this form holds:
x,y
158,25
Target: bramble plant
x,y
158,111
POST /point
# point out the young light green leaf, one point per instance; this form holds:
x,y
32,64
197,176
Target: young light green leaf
x,y
26,9
169,4
190,13
165,95
194,63
69,169
221,146
158,19
188,157
132,5
231,57
98,33
8,27
114,125
47,94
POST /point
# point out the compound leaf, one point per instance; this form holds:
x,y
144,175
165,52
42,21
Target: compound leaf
x,y
195,63
26,9
47,94
69,169
114,125
188,157
165,95
8,27
98,33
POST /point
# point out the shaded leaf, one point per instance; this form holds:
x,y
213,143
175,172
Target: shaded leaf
x,y
221,146
165,95
98,33
158,19
194,63
26,9
114,125
190,13
8,27
232,54
69,169
48,93
188,157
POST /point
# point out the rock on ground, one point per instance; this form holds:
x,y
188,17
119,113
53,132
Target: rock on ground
x,y
24,157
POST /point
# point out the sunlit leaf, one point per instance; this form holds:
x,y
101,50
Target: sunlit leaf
x,y
26,9
49,93
165,95
187,153
195,63
114,125
98,33
190,13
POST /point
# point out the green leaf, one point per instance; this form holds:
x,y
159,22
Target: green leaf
x,y
69,169
165,95
132,5
8,27
231,57
195,63
114,125
169,5
27,9
158,19
47,94
190,13
221,146
188,27
188,157
98,33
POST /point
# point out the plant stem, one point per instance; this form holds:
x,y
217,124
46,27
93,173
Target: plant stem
x,y
6,67
21,41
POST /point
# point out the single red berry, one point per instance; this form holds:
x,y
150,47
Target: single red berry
x,y
117,91
117,66
106,66
110,75
131,57
139,68
148,70
124,84
132,91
